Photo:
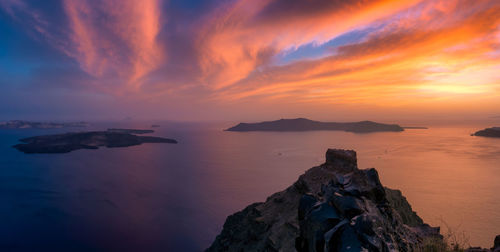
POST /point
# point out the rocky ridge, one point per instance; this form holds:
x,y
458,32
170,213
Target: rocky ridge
x,y
332,207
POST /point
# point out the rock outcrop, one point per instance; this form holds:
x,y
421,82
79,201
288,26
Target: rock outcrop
x,y
496,244
332,207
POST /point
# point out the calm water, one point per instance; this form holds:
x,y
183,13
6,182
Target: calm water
x,y
176,197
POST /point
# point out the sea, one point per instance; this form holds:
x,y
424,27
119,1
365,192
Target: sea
x,y
176,197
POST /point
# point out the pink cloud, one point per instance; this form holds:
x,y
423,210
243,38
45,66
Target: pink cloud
x,y
115,37
112,40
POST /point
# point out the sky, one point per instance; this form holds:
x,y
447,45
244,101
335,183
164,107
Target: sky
x,y
249,60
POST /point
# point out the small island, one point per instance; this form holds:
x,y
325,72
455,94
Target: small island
x,y
131,131
488,132
303,124
414,127
19,124
64,143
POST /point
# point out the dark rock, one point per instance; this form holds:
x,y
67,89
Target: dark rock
x,y
320,219
302,124
496,244
401,205
342,238
306,203
63,143
243,231
365,183
334,206
489,132
348,206
342,159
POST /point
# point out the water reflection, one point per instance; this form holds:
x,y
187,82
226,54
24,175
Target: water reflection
x,y
176,197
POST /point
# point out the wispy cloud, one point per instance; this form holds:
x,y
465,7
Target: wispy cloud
x,y
115,37
394,64
109,38
242,36
404,53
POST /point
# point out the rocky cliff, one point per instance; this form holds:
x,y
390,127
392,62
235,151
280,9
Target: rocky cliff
x,y
332,207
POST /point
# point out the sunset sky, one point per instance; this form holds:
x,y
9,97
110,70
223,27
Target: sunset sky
x,y
249,59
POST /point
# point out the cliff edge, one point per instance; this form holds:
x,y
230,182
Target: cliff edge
x,y
331,207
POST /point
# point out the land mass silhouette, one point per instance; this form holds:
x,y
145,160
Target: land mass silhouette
x,y
489,132
303,124
131,131
64,143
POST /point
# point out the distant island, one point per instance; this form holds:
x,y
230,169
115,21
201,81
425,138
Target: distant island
x,y
155,126
63,143
488,132
414,127
303,124
131,131
19,124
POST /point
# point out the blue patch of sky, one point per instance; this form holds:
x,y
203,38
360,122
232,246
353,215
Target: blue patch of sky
x,y
314,51
193,7
188,3
9,44
21,51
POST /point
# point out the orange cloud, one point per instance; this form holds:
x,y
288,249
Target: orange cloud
x,y
244,34
439,50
